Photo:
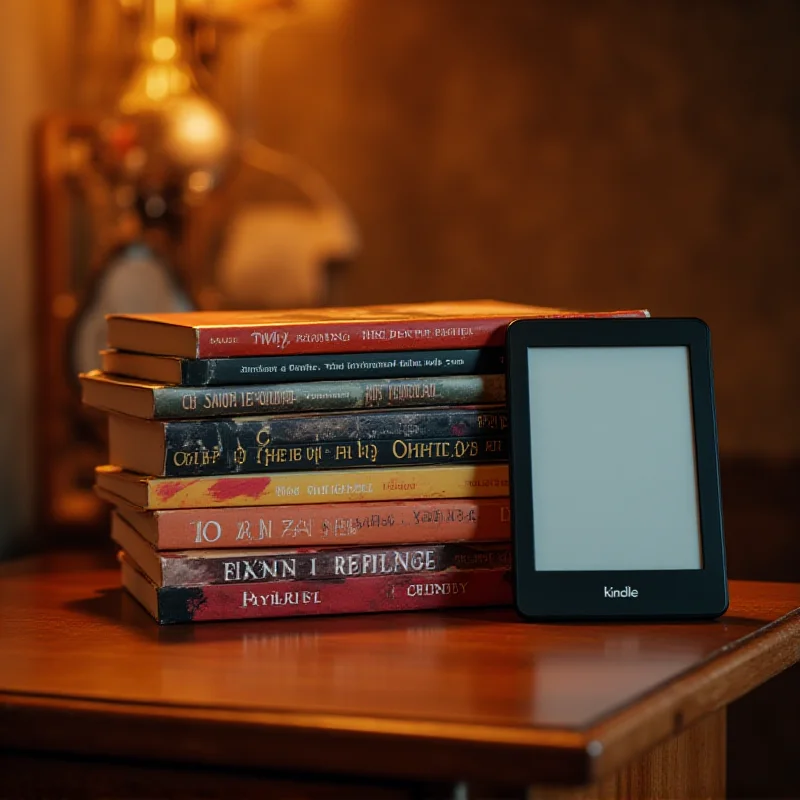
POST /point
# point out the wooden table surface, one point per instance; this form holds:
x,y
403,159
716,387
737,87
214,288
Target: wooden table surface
x,y
428,696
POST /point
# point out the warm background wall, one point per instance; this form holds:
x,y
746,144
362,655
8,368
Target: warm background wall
x,y
588,155
25,91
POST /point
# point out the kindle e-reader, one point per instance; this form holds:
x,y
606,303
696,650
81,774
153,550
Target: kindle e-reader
x,y
615,490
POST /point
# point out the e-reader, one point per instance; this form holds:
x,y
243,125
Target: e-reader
x,y
614,467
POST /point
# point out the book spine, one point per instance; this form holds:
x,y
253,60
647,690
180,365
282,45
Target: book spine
x,y
235,371
365,336
317,565
182,402
331,524
345,596
325,441
204,458
425,423
354,485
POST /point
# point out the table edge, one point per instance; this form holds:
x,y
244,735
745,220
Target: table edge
x,y
677,704
335,743
284,740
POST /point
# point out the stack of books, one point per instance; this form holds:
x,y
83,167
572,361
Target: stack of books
x,y
324,461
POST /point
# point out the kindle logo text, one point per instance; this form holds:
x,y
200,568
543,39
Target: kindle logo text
x,y
610,591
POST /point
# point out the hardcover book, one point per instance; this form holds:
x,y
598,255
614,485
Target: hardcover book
x,y
299,488
314,367
337,440
161,401
321,524
362,595
199,567
421,326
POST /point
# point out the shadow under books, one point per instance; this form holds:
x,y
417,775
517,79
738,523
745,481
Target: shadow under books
x,y
115,605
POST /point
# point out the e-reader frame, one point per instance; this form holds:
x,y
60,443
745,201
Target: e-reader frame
x,y
584,594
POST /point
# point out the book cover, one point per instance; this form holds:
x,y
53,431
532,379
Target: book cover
x,y
296,488
321,525
363,595
149,400
199,567
420,326
337,440
315,367
343,455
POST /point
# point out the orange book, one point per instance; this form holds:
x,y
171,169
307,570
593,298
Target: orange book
x,y
321,524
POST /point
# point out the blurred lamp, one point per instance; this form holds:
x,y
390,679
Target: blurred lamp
x,y
166,136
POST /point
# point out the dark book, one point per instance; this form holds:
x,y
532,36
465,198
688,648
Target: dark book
x,y
159,401
308,441
314,367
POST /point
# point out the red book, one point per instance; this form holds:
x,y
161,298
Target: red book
x,y
485,587
421,326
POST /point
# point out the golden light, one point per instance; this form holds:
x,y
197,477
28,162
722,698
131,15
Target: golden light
x,y
196,133
164,48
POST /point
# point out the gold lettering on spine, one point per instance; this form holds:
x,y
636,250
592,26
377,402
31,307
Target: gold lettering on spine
x,y
367,451
343,452
314,453
421,450
196,458
221,399
464,449
373,394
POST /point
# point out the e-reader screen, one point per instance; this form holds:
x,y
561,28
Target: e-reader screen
x,y
614,477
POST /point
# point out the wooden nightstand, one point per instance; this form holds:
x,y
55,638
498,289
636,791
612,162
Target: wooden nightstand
x,y
96,700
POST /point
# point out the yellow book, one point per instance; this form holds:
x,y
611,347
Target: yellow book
x,y
298,488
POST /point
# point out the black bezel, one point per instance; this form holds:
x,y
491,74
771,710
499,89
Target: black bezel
x,y
663,594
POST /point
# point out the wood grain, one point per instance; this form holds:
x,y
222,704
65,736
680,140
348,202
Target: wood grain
x,y
690,764
428,696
